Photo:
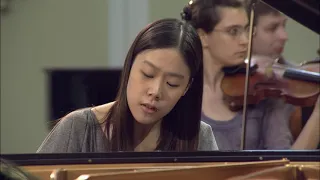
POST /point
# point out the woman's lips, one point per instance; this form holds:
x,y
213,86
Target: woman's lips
x,y
149,108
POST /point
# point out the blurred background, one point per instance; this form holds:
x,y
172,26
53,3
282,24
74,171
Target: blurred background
x,y
61,55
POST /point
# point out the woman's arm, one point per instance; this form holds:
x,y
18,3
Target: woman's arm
x,y
309,136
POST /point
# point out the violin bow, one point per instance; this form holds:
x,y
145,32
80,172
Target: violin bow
x,y
249,54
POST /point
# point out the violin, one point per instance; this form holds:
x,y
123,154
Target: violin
x,y
298,86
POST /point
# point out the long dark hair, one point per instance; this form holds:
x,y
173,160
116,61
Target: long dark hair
x,y
204,14
180,127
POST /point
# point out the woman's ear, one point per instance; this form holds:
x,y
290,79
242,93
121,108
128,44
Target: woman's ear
x,y
203,37
188,86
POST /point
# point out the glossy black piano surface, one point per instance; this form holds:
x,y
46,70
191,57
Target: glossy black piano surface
x,y
160,157
306,12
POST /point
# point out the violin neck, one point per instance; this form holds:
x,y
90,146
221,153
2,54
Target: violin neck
x,y
302,75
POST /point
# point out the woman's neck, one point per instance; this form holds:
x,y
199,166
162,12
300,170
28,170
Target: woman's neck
x,y
213,73
146,136
213,105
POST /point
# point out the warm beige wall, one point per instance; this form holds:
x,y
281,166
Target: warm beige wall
x,y
302,44
42,34
165,8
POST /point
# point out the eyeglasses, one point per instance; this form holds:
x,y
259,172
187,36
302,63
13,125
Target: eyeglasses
x,y
235,32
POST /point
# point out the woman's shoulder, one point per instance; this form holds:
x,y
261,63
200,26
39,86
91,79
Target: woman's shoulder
x,y
76,119
205,130
70,132
101,111
207,141
204,126
87,115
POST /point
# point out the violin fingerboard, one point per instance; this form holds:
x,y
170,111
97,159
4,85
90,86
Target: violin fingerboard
x,y
303,75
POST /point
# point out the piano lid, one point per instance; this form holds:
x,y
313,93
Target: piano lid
x,y
306,12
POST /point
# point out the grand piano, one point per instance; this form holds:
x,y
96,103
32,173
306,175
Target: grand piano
x,y
218,165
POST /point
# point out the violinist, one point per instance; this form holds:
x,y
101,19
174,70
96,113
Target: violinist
x,y
268,43
223,27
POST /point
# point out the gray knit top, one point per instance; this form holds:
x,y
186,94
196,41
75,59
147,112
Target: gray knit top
x,y
80,131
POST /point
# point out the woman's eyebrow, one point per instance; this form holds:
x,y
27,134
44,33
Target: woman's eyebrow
x,y
180,76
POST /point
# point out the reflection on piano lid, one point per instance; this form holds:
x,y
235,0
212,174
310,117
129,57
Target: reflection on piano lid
x,y
306,12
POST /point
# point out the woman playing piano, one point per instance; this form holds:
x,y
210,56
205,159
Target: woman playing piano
x,y
158,105
223,27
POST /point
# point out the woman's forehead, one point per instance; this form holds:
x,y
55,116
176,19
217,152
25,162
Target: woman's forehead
x,y
232,17
162,59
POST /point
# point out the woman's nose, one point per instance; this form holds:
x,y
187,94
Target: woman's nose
x,y
155,90
244,39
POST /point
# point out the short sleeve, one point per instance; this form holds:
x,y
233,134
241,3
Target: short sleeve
x,y
207,141
67,134
276,130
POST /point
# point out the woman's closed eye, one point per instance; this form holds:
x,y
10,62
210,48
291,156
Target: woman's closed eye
x,y
147,75
150,76
173,85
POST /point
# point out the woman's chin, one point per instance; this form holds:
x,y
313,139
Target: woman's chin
x,y
240,60
145,120
235,62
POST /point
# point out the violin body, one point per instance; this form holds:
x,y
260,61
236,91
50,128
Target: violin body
x,y
297,86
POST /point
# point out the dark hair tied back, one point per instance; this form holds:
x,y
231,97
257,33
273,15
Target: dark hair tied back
x,y
186,13
205,14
